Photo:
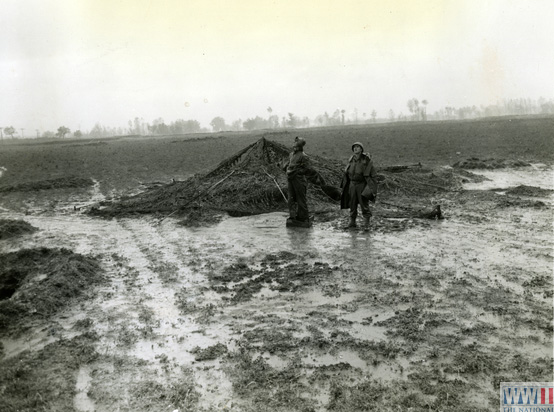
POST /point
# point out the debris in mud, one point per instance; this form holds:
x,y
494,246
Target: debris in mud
x,y
531,191
42,281
277,273
474,359
145,391
11,228
70,182
505,201
476,163
413,324
538,281
209,353
262,386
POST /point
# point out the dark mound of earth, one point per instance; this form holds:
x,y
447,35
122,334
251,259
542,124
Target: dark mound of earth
x,y
11,228
531,191
42,281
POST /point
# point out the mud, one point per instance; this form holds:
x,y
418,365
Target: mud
x,y
248,315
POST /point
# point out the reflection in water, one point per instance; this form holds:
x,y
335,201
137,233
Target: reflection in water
x,y
301,239
361,240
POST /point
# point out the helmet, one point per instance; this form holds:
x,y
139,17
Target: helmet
x,y
358,144
298,141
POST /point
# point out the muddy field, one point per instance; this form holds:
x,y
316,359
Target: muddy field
x,y
144,314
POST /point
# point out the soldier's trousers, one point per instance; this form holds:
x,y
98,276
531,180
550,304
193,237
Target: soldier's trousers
x,y
297,202
355,191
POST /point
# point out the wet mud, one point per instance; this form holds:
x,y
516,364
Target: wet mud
x,y
248,315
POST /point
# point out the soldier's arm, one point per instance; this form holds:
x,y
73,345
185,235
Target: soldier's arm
x,y
370,175
311,174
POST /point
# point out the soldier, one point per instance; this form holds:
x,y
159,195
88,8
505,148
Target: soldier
x,y
359,185
298,169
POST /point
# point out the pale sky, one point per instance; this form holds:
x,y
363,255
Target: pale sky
x,y
78,62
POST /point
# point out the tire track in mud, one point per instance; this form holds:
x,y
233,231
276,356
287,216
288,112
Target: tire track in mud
x,y
181,333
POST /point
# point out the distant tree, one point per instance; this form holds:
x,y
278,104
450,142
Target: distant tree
x,y
96,131
410,105
62,131
181,126
546,106
237,125
78,133
274,121
326,119
269,110
391,115
413,106
256,123
10,131
158,127
136,126
373,115
424,102
449,112
218,123
48,134
293,120
342,115
335,118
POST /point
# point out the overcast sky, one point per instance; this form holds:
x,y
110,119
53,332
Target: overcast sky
x,y
78,62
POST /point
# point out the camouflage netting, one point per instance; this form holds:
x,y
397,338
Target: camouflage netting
x,y
252,182
243,184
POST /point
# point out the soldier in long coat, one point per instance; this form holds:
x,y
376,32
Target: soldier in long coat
x,y
359,185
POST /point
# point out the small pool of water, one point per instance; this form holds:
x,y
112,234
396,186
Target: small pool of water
x,y
538,175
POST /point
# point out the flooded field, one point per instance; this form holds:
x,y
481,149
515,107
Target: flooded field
x,y
248,315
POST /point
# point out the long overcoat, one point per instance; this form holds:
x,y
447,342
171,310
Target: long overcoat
x,y
371,182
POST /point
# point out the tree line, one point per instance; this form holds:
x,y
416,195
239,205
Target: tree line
x,y
416,111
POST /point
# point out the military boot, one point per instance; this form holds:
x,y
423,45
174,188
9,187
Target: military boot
x,y
366,222
352,223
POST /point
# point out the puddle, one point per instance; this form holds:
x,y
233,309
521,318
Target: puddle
x,y
81,401
539,176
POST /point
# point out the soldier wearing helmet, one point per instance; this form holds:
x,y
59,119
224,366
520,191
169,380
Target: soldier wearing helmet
x,y
298,169
359,185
